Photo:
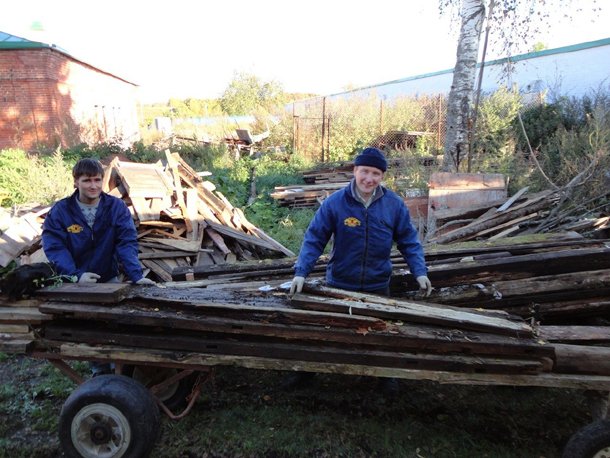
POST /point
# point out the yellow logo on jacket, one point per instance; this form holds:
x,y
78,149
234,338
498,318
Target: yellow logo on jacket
x,y
75,229
351,222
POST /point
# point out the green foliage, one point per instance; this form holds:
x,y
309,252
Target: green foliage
x,y
98,151
539,46
570,152
494,146
541,123
246,92
358,122
141,152
194,108
566,136
32,178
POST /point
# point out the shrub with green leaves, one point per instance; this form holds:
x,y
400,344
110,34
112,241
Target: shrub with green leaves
x,y
31,178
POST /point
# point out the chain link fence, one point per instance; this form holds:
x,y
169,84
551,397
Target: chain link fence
x,y
328,129
334,128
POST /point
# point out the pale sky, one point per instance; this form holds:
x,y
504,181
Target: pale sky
x,y
190,48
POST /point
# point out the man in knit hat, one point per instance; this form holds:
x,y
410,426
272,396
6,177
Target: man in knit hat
x,y
364,219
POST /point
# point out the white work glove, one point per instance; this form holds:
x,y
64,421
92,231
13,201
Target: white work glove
x,y
424,284
297,284
145,281
89,277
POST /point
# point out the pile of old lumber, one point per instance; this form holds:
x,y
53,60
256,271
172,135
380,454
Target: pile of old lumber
x,y
548,277
321,329
490,220
560,280
181,219
521,214
305,196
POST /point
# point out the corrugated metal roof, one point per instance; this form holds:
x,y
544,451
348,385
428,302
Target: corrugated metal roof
x,y
8,41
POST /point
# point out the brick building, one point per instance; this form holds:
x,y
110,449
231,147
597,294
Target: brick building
x,y
49,98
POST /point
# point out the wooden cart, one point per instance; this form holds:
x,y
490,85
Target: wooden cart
x,y
166,342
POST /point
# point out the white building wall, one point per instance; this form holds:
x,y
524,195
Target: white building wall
x,y
570,71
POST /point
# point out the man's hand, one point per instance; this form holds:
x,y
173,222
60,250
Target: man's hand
x,y
89,277
145,281
297,284
424,283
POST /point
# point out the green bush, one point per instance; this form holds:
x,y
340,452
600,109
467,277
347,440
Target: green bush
x,y
31,178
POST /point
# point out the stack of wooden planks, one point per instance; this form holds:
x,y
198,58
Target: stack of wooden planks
x,y
549,278
521,214
305,196
18,322
321,329
490,220
224,327
181,219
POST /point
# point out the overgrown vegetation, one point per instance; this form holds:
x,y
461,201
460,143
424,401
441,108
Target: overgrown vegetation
x,y
31,178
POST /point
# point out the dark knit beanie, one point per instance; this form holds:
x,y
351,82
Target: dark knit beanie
x,y
373,158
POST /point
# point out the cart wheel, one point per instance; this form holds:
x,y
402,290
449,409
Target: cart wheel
x,y
174,396
592,441
109,416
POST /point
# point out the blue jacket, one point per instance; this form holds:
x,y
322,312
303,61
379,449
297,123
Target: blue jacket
x,y
360,256
70,243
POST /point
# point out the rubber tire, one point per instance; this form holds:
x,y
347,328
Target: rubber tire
x,y
178,392
133,402
590,441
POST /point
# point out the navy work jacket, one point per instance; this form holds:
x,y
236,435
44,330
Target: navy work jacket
x,y
363,237
75,248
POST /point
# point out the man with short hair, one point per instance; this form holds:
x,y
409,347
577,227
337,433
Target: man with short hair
x,y
364,218
89,232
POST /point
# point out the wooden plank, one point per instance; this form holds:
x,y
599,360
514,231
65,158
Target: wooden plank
x,y
500,227
110,175
18,315
192,246
458,190
514,267
143,210
14,328
22,303
573,308
415,312
546,288
292,351
582,359
204,361
160,272
192,213
165,254
327,327
575,334
242,236
527,207
19,347
86,292
513,199
18,238
17,335
218,240
144,180
173,165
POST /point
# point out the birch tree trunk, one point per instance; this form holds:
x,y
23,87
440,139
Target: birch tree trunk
x,y
462,87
